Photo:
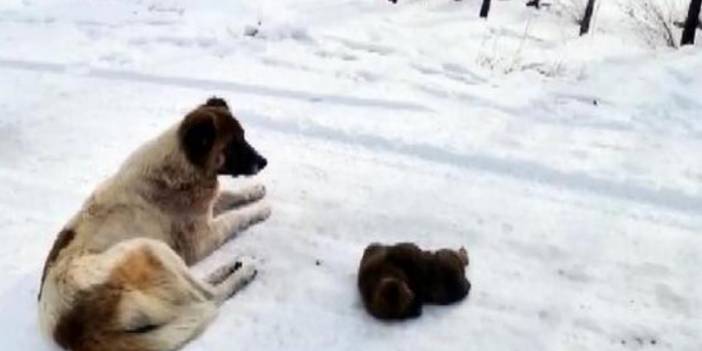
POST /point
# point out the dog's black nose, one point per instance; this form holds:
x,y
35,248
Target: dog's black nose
x,y
262,163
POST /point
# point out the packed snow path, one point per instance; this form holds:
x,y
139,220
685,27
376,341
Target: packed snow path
x,y
574,179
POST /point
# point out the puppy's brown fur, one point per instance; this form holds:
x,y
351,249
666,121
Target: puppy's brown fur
x,y
396,280
117,277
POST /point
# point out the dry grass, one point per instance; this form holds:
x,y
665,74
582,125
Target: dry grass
x,y
655,20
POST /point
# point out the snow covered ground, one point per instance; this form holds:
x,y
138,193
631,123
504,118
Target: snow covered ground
x,y
569,167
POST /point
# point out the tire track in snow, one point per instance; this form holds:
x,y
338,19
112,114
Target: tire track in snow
x,y
524,170
667,198
209,84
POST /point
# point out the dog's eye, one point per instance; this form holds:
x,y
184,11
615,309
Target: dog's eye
x,y
221,159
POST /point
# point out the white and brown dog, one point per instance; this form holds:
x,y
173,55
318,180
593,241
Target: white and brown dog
x,y
117,277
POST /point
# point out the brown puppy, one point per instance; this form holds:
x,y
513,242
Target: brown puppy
x,y
396,280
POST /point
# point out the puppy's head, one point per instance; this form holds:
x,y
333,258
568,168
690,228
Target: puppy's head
x,y
447,282
393,299
213,140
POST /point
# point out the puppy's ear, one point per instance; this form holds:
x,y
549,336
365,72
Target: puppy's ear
x,y
217,102
463,255
198,133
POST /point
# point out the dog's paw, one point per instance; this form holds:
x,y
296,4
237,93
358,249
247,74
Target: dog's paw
x,y
256,192
243,275
247,273
265,212
246,270
240,219
231,200
223,272
261,212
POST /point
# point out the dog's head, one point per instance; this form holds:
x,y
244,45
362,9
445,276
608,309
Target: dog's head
x,y
447,282
213,140
394,299
386,284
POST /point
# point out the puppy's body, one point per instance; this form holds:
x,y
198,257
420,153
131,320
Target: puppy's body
x,y
396,280
117,276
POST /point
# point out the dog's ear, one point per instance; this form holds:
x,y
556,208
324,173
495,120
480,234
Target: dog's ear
x,y
463,255
392,298
217,102
198,133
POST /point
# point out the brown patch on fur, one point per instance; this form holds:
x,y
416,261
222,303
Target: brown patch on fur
x,y
91,324
80,328
396,280
139,270
62,240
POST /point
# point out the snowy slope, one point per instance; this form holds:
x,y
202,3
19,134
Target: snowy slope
x,y
568,166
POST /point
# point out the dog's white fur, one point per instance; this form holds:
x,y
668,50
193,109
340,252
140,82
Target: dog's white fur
x,y
124,256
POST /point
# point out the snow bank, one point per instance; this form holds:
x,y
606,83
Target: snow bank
x,y
566,165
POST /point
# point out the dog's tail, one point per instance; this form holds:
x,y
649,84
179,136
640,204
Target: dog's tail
x,y
173,334
149,302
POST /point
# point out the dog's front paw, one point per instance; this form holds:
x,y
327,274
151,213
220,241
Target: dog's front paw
x,y
265,212
256,192
259,212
